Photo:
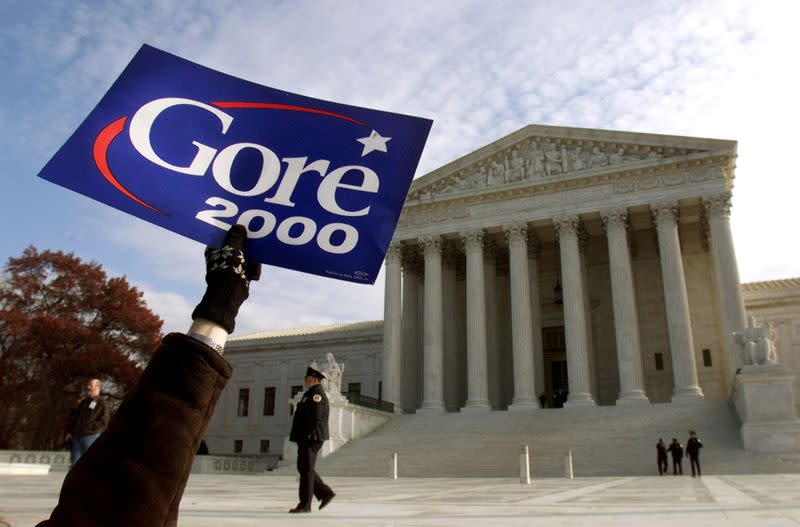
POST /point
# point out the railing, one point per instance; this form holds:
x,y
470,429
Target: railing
x,y
369,402
235,463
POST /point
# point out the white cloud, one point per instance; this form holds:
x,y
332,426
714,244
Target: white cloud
x,y
711,69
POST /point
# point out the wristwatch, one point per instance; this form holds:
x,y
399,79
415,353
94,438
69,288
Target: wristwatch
x,y
208,341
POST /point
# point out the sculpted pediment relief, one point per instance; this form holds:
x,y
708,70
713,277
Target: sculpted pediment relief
x,y
543,159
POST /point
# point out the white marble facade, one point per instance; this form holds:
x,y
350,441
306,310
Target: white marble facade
x,y
635,229
278,360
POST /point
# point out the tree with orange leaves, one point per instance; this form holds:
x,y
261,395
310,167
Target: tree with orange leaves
x,y
63,321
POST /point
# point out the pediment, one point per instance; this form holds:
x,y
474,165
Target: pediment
x,y
538,154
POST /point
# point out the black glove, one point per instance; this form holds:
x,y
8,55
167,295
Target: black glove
x,y
228,276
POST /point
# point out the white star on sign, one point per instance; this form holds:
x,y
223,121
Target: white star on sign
x,y
373,142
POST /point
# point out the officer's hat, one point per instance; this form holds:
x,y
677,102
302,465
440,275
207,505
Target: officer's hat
x,y
311,372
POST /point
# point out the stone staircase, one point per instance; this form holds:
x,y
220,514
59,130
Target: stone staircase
x,y
605,441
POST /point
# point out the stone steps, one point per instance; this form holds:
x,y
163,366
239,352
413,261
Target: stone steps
x,y
604,441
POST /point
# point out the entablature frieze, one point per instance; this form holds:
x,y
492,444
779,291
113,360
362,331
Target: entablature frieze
x,y
525,166
489,210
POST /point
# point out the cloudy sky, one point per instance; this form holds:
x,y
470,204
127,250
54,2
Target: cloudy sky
x,y
480,70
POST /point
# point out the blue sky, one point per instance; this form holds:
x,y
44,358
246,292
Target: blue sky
x,y
480,70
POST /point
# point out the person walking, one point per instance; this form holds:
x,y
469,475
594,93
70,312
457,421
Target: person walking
x,y
693,446
87,421
676,449
661,453
309,431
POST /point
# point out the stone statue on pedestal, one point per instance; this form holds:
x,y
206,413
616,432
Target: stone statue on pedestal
x,y
756,344
332,384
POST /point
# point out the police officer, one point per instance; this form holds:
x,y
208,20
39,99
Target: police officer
x,y
693,446
309,431
676,449
661,456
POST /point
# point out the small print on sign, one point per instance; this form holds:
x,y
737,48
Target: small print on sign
x,y
318,185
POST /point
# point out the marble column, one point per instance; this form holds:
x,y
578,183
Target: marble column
x,y
392,328
521,328
409,340
477,378
534,249
451,352
493,366
729,289
574,314
679,324
626,323
433,401
583,247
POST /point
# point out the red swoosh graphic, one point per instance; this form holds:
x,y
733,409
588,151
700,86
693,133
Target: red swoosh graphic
x,y
271,106
100,150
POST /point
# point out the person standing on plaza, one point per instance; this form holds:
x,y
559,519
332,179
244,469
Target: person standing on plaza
x,y
693,446
661,452
87,421
309,431
676,449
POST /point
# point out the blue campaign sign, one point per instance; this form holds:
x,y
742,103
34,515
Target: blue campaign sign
x,y
318,185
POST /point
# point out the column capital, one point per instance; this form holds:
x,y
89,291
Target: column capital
x,y
534,246
431,243
614,218
666,212
394,252
472,239
717,205
567,224
516,232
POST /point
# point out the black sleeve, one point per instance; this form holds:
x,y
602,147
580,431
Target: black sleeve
x,y
135,473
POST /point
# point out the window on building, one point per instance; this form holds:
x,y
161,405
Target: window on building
x,y
296,389
659,361
237,446
707,358
354,387
244,402
269,400
265,446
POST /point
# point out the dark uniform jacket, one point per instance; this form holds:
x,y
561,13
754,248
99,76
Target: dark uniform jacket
x,y
88,418
135,473
311,417
676,450
693,447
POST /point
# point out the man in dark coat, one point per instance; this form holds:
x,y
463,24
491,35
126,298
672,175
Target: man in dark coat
x,y
661,453
309,431
676,449
87,421
693,446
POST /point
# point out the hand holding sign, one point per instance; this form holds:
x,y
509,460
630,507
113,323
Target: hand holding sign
x,y
317,185
228,276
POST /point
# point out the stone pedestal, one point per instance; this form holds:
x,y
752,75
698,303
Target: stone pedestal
x,y
763,398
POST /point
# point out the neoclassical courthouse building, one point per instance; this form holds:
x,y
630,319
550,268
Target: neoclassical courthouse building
x,y
591,262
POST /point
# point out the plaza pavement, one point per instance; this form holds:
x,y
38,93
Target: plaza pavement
x,y
227,501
